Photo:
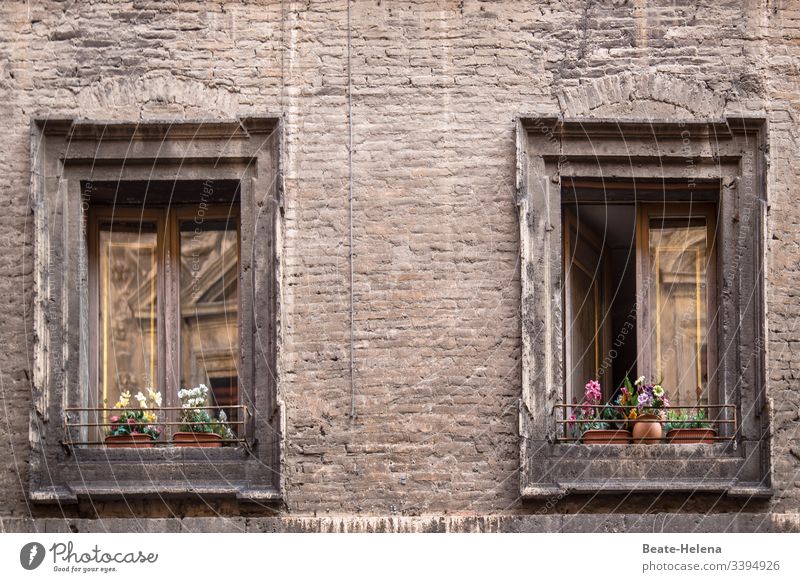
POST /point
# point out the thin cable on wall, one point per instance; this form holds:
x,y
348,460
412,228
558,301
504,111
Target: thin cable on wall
x,y
350,210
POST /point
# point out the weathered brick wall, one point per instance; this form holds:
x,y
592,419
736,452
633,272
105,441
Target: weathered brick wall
x,y
436,86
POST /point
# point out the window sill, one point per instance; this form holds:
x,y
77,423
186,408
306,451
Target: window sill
x,y
655,451
70,493
120,473
162,454
578,468
728,487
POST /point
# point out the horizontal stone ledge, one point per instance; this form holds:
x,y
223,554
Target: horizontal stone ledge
x,y
72,492
540,523
729,487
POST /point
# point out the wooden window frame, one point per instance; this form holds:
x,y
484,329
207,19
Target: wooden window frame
x,y
97,215
168,312
602,292
645,213
724,160
68,156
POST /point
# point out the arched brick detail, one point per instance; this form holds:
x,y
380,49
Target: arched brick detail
x,y
154,96
640,95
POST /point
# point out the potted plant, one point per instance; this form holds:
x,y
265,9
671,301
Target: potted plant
x,y
134,427
689,427
595,424
199,428
644,406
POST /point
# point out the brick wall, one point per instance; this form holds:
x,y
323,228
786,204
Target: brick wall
x,y
436,86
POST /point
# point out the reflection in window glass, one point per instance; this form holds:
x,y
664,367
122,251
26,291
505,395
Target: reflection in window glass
x,y
678,259
127,309
209,298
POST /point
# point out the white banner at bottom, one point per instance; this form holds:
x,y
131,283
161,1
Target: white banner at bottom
x,y
408,557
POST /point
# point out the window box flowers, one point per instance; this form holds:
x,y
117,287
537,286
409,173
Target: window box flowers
x,y
595,423
644,405
689,427
199,428
132,427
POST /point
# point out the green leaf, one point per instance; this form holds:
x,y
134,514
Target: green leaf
x,y
628,384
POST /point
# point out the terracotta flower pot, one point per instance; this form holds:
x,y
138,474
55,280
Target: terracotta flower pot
x,y
130,440
606,437
647,429
687,436
196,439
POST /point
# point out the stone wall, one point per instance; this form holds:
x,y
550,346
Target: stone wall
x,y
436,88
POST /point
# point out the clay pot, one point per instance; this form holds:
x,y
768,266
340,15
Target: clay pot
x,y
606,437
196,439
142,441
686,436
647,429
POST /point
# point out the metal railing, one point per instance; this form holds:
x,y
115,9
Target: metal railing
x,y
720,423
93,424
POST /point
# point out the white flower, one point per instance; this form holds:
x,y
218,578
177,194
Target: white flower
x,y
140,398
196,397
639,381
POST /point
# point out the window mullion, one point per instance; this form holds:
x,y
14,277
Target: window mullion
x,y
169,312
644,331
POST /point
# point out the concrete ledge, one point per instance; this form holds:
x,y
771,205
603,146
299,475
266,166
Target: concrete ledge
x,y
597,523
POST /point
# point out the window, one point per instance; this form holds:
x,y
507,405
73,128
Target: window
x,y
642,254
156,264
640,288
164,319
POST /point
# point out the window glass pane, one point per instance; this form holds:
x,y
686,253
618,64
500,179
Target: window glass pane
x,y
584,331
584,269
678,259
209,297
127,309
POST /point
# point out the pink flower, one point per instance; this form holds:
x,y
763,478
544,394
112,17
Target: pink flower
x,y
131,422
593,392
114,419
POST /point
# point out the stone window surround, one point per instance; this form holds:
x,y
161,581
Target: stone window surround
x,y
66,152
729,151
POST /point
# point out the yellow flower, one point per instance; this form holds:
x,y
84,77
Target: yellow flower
x,y
632,414
155,397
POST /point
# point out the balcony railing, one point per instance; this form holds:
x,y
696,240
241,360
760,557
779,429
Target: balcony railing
x,y
87,426
720,422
